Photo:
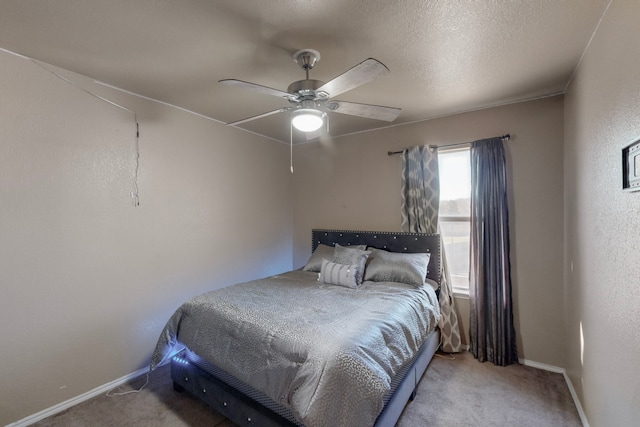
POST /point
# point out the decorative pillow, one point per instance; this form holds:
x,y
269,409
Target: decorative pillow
x,y
338,274
315,262
384,266
350,255
361,247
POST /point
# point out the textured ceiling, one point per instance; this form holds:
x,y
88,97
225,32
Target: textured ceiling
x,y
445,57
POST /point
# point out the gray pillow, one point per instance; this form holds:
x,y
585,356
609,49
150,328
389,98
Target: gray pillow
x,y
350,255
315,262
384,266
338,274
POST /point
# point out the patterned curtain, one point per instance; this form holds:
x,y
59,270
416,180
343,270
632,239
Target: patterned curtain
x,y
491,331
420,204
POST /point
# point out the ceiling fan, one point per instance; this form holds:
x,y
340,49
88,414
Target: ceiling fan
x,y
311,99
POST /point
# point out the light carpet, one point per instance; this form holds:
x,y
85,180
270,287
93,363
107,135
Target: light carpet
x,y
455,391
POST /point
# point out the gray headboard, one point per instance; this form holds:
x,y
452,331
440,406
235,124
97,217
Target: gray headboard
x,y
387,240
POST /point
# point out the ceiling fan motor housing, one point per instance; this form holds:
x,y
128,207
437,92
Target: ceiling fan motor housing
x,y
306,89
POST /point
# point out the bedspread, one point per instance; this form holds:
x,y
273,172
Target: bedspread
x,y
326,352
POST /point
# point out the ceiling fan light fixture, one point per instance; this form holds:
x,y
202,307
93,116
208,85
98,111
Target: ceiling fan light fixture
x,y
307,119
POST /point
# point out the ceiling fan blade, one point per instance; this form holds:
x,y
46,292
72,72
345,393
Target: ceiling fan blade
x,y
259,116
369,111
362,73
310,136
256,88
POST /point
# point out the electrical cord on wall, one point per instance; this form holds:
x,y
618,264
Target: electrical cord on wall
x,y
135,193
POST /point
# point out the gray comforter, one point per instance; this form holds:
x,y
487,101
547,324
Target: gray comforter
x,y
326,352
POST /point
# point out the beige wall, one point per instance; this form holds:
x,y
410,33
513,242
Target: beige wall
x,y
602,268
352,183
86,279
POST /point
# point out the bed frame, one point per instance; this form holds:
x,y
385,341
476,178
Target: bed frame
x,y
246,406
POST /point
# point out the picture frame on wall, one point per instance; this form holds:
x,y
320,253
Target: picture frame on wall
x,y
631,167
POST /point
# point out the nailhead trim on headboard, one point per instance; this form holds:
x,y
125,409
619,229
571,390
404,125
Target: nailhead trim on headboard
x,y
387,240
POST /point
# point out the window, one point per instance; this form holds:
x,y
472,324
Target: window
x,y
455,213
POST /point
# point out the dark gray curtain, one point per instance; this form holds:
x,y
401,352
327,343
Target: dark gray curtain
x,y
491,330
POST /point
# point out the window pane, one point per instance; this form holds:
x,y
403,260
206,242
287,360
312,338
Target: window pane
x,y
456,245
455,210
455,183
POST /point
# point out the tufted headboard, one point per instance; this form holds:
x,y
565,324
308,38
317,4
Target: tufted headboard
x,y
389,241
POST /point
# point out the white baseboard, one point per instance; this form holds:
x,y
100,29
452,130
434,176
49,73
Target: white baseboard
x,y
572,390
542,366
76,400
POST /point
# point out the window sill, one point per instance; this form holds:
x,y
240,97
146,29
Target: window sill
x,y
461,293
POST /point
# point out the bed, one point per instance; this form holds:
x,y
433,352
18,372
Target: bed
x,y
345,345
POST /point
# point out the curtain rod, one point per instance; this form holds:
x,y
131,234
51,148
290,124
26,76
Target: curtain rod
x,y
505,137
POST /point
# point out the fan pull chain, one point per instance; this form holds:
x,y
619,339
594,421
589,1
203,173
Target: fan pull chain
x,y
291,145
